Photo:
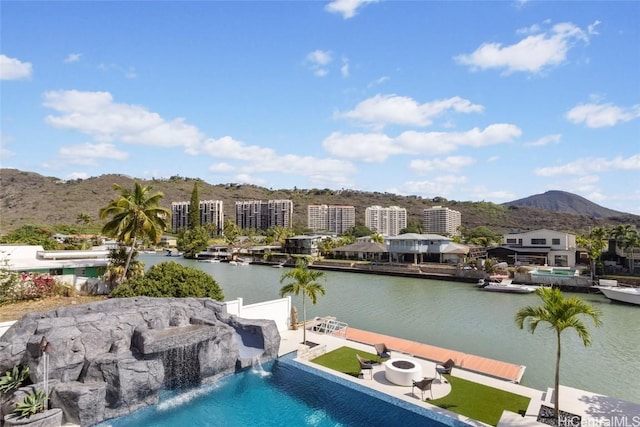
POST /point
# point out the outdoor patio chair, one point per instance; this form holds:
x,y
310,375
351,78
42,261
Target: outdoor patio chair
x,y
424,385
365,365
382,351
445,368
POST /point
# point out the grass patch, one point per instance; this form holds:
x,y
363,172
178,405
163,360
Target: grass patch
x,y
467,398
344,360
480,402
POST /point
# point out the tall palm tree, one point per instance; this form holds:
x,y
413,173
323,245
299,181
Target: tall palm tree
x,y
135,214
560,313
305,281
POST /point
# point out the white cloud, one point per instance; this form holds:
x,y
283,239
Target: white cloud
x,y
440,185
377,147
77,175
373,147
591,165
254,159
128,73
428,142
221,168
452,163
14,69
533,54
73,57
602,115
344,70
377,82
318,61
89,154
5,153
347,8
381,110
545,140
97,115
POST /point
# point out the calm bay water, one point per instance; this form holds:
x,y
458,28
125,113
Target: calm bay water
x,y
462,317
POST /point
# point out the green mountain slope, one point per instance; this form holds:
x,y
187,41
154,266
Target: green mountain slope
x,y
30,198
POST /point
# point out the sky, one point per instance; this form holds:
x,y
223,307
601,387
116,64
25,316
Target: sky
x,y
471,101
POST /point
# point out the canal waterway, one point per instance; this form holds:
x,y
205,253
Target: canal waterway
x,y
461,317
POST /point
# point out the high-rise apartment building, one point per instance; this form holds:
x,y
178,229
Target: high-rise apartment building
x,y
334,218
439,220
262,215
211,212
386,221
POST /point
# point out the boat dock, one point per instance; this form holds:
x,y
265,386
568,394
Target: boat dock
x,y
482,365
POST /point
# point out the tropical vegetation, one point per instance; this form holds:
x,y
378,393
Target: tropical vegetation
x,y
170,279
14,378
303,281
115,271
32,404
135,214
559,313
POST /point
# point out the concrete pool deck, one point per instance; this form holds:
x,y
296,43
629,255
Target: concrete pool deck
x,y
595,409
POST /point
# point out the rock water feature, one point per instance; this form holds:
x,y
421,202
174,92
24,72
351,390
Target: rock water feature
x,y
112,357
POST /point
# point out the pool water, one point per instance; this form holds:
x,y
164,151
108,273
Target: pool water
x,y
285,393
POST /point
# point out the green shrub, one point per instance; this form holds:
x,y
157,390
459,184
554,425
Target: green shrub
x,y
14,378
33,403
170,279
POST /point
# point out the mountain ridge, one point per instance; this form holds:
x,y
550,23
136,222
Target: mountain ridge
x,y
562,201
31,198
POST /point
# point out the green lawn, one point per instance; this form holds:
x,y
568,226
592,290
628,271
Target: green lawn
x,y
467,398
480,402
344,360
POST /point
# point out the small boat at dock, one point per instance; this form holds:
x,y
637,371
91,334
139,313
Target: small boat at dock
x,y
505,285
612,290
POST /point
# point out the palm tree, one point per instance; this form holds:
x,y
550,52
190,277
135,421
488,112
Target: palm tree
x,y
84,219
560,313
594,243
135,214
629,243
305,281
626,236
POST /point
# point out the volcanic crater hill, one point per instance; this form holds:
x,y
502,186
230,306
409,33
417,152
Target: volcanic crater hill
x,y
31,198
561,201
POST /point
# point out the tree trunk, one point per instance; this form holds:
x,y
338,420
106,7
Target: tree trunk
x,y
304,320
129,256
556,400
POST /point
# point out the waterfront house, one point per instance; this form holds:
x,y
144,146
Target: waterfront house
x,y
80,269
363,250
538,247
304,245
416,248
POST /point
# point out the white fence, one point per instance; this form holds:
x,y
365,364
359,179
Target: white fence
x,y
278,310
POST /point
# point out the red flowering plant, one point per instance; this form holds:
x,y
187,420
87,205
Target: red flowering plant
x,y
36,285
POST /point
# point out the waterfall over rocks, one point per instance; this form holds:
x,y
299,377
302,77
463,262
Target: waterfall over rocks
x,y
113,357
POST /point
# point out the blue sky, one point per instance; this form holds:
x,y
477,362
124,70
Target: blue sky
x,y
470,101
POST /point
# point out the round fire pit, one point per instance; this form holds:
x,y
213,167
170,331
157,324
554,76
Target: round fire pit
x,y
402,371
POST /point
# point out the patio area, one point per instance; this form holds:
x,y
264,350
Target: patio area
x,y
594,409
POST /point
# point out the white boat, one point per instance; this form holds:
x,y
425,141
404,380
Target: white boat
x,y
626,294
505,285
210,260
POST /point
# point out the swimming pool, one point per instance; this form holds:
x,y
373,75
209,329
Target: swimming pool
x,y
286,393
